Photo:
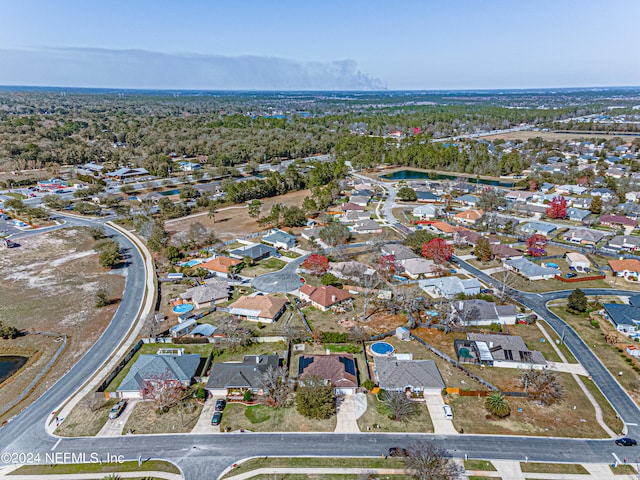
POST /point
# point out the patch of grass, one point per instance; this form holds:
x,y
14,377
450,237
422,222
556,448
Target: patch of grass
x,y
609,415
483,465
273,419
477,477
342,347
179,419
623,469
559,419
552,285
336,476
263,266
290,254
561,468
558,342
82,421
421,422
257,414
321,462
75,468
531,336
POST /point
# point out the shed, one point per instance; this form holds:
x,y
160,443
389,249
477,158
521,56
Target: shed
x,y
403,333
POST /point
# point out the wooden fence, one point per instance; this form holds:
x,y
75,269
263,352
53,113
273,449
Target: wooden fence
x,y
580,279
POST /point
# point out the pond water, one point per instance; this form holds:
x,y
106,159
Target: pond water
x,y
10,365
170,192
413,175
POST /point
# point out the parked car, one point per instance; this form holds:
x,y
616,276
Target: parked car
x,y
398,452
626,442
486,290
220,404
520,316
448,413
117,409
217,417
570,275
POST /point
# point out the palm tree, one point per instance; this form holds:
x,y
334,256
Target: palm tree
x,y
212,212
497,405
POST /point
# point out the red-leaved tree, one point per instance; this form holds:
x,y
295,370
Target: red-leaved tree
x,y
537,245
316,264
163,389
557,208
388,265
437,250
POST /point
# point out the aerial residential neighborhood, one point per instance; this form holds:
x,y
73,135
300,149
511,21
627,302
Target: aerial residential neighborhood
x,y
402,244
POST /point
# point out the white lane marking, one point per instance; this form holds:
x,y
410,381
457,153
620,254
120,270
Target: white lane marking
x,y
616,457
54,447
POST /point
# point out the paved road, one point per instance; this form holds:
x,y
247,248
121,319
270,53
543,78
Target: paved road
x,y
282,281
26,430
617,396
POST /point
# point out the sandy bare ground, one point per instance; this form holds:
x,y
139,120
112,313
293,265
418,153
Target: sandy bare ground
x,y
47,290
553,136
235,222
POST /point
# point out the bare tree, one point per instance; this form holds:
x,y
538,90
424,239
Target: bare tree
x,y
94,402
275,385
236,338
398,406
164,390
542,385
428,462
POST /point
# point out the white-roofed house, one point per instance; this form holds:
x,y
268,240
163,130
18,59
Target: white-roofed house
x,y
578,262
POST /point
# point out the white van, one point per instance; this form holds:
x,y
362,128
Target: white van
x,y
448,413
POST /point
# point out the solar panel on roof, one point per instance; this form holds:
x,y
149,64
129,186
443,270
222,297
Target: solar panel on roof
x,y
349,365
303,363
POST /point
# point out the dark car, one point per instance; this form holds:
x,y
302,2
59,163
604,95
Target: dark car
x,y
486,290
217,417
570,275
220,404
626,442
398,452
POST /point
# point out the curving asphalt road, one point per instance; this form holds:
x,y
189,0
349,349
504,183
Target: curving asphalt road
x,y
283,281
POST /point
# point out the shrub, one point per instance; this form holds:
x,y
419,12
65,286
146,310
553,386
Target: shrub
x,y
495,327
595,323
201,394
248,396
334,337
368,384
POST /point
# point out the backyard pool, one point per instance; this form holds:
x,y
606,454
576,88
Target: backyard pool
x,y
191,263
381,349
552,265
182,308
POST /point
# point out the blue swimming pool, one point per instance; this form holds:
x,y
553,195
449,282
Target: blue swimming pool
x,y
182,308
552,265
191,263
431,313
382,349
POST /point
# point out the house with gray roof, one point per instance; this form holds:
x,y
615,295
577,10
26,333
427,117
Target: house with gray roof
x,y
417,376
577,214
481,312
400,252
539,228
626,318
280,239
214,291
168,365
530,270
495,350
230,378
450,287
583,236
629,243
469,200
361,200
366,226
255,251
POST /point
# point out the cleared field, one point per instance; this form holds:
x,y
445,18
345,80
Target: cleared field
x,y
261,418
48,290
232,222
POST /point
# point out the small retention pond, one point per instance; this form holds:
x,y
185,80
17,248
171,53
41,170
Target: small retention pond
x,y
10,365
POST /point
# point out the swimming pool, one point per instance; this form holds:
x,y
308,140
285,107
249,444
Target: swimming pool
x,y
182,308
382,349
191,263
552,265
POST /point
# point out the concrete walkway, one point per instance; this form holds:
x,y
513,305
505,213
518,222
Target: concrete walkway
x,y
575,368
360,401
6,473
346,415
586,391
440,424
114,427
491,271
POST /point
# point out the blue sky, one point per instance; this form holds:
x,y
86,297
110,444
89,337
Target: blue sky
x,y
326,44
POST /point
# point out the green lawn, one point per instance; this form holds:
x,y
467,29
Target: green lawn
x,y
261,418
322,462
560,468
77,468
374,419
483,465
263,266
290,254
623,469
609,415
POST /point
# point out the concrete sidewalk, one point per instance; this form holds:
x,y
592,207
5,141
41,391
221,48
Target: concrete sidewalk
x,y
6,473
318,471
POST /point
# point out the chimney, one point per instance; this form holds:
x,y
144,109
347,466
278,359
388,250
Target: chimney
x,y
490,344
333,298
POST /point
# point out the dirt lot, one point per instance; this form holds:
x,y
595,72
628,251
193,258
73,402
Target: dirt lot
x,y
559,419
550,136
235,221
47,290
377,421
179,419
261,418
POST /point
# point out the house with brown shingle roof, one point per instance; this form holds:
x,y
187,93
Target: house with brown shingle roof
x,y
468,217
443,227
351,207
339,370
323,298
625,268
220,265
258,308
